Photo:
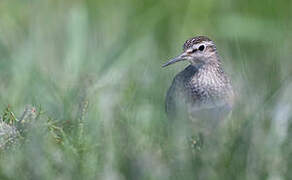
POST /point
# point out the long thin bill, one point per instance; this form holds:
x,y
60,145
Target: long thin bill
x,y
174,60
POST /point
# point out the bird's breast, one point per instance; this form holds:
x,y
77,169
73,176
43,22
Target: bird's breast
x,y
195,90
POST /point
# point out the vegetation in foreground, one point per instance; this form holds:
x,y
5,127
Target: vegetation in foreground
x,y
91,72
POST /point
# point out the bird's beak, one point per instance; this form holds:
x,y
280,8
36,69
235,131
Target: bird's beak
x,y
176,59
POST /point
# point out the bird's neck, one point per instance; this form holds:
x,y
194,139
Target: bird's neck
x,y
212,59
210,73
208,66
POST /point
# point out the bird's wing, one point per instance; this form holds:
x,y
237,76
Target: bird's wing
x,y
176,97
170,103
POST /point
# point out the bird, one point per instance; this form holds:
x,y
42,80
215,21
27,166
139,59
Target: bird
x,y
202,92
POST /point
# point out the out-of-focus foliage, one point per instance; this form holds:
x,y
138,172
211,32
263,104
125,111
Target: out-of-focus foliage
x,y
94,68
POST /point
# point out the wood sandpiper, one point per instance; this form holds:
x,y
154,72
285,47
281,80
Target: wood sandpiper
x,y
202,90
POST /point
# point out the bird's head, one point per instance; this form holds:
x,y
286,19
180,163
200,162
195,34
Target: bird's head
x,y
197,50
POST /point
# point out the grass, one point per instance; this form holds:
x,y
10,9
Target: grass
x,y
82,89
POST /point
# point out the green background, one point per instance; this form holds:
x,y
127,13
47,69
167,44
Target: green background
x,y
93,69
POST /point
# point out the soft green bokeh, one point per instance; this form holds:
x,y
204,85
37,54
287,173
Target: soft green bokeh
x,y
61,55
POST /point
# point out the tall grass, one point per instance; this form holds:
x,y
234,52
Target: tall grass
x,y
82,89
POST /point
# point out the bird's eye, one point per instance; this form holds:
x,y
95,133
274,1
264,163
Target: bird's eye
x,y
201,48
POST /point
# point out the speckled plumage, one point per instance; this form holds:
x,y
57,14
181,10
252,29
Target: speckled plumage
x,y
201,88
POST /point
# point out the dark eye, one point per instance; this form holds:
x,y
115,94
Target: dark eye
x,y
201,48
